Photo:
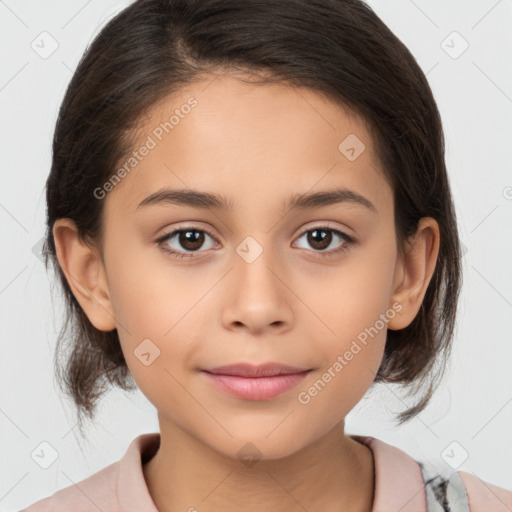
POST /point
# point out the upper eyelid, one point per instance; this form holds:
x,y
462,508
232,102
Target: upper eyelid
x,y
173,231
325,224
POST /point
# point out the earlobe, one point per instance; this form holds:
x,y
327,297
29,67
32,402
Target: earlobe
x,y
414,272
84,270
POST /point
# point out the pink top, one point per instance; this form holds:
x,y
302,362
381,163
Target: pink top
x,y
399,485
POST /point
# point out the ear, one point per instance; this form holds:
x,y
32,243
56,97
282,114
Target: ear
x,y
83,267
414,271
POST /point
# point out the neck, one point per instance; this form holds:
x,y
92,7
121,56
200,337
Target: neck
x,y
333,473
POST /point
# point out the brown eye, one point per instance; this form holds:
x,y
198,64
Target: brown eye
x,y
322,237
319,238
186,240
191,239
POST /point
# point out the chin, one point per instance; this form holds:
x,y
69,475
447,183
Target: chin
x,y
252,449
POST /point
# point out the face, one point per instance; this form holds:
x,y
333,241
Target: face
x,y
257,280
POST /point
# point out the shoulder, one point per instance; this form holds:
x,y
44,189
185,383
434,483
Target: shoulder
x,y
403,483
463,491
119,486
91,493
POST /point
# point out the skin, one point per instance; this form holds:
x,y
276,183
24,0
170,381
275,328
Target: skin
x,y
258,145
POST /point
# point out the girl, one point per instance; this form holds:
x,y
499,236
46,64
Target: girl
x,y
299,143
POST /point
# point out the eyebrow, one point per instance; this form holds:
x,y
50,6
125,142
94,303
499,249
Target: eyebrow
x,y
207,200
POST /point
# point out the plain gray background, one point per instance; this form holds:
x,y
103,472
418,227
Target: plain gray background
x,y
471,413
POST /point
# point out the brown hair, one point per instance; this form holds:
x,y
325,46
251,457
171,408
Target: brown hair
x,y
336,47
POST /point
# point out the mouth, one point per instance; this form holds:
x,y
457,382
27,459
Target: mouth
x,y
249,370
262,382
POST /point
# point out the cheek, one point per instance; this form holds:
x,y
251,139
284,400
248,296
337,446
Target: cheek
x,y
354,304
157,308
354,296
350,366
149,293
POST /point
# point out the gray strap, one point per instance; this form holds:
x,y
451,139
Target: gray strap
x,y
444,494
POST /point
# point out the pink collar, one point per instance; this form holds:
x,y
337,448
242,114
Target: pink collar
x,y
398,480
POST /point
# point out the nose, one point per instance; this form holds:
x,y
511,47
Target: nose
x,y
256,296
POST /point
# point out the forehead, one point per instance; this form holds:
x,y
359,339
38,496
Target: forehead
x,y
260,142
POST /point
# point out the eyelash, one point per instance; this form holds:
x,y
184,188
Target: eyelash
x,y
348,241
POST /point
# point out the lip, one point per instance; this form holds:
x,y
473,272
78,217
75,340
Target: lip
x,y
250,370
262,382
